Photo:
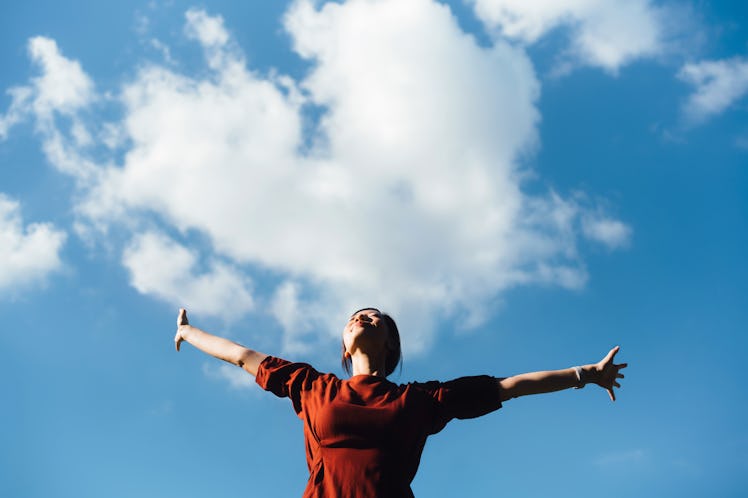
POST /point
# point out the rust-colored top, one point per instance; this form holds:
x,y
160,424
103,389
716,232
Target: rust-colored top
x,y
364,436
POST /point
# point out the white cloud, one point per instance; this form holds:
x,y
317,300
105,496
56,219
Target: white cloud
x,y
408,199
161,267
27,253
302,316
406,195
63,86
602,33
718,85
163,49
20,97
208,30
112,135
212,35
612,233
289,310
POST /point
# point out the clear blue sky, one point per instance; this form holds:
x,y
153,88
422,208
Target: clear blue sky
x,y
522,187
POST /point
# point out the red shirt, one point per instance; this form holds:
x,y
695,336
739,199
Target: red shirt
x,y
364,436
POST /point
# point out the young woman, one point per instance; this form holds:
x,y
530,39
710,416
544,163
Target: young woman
x,y
364,435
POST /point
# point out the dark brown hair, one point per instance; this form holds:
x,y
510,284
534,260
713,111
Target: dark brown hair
x,y
394,355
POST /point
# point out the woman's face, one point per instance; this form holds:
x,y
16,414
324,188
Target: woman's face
x,y
365,329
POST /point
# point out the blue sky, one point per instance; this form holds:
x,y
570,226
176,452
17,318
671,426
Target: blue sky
x,y
522,187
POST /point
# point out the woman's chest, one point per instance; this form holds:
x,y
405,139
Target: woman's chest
x,y
367,421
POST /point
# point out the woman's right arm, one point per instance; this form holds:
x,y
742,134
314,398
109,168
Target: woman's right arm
x,y
221,348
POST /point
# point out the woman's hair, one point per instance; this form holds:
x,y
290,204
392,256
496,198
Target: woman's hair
x,y
394,355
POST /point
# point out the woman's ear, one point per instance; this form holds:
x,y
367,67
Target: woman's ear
x,y
347,355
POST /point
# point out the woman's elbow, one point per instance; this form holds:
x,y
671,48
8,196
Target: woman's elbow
x,y
507,389
242,357
250,360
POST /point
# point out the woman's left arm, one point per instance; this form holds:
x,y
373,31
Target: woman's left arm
x,y
604,373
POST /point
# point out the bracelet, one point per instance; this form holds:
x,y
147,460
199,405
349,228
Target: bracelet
x,y
580,382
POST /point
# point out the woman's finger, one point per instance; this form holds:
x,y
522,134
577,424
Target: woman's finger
x,y
611,354
619,376
611,394
182,317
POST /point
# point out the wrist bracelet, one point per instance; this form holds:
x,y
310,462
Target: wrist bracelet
x,y
580,382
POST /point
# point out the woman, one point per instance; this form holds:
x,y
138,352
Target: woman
x,y
364,436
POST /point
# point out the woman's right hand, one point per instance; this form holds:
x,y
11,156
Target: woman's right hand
x,y
182,324
607,373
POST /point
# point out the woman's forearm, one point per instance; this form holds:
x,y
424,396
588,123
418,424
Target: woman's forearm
x,y
222,348
543,382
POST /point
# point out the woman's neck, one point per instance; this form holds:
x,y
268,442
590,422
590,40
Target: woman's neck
x,y
367,364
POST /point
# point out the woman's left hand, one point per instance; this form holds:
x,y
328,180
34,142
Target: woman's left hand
x,y
607,373
182,322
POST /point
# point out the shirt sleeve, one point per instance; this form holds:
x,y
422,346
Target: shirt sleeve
x,y
466,397
286,379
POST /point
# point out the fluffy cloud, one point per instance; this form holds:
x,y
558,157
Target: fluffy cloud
x,y
609,232
27,253
293,313
405,193
63,86
161,267
718,84
61,90
206,29
602,33
18,109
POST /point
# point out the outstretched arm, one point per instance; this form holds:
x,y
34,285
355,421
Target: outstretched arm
x,y
604,373
221,348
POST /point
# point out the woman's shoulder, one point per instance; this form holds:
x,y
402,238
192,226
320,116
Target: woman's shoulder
x,y
294,380
276,366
